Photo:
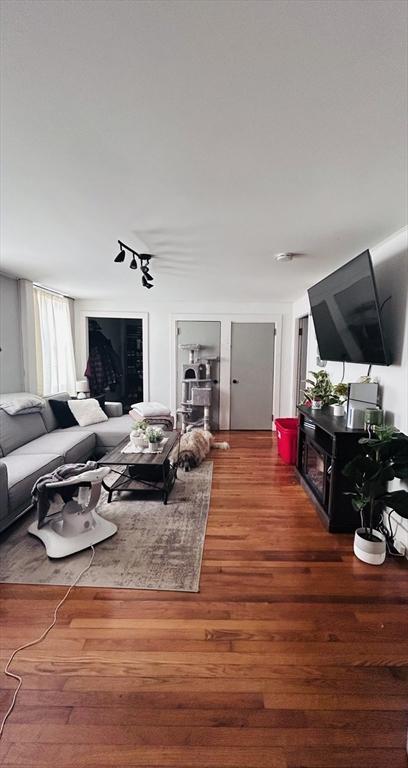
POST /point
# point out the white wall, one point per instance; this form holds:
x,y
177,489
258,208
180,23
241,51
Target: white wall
x,y
161,342
390,261
11,355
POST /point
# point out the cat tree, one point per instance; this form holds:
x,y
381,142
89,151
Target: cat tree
x,y
196,390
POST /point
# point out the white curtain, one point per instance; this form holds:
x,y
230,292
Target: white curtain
x,y
54,344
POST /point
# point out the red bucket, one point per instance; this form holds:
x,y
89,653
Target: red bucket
x,y
286,430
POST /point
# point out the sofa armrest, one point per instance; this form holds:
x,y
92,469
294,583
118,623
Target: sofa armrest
x,y
3,490
113,409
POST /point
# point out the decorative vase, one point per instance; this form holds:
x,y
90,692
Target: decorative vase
x,y
316,404
338,410
153,447
371,552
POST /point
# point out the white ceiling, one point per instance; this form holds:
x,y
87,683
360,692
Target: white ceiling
x,y
213,134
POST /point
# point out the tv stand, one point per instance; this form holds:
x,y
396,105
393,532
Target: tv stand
x,y
325,446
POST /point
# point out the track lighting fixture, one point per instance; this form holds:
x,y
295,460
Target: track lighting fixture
x,y
144,259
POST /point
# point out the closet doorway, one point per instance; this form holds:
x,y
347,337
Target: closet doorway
x,y
115,364
302,330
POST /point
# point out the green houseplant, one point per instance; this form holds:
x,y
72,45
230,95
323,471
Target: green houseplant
x,y
138,434
319,389
384,458
338,398
154,436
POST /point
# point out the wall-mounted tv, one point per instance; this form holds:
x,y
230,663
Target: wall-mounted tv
x,y
347,316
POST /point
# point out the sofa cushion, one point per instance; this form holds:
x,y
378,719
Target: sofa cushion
x,y
87,411
21,402
23,471
19,429
48,417
108,433
71,446
63,414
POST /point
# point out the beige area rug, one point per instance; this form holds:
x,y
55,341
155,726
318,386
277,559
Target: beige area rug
x,y
157,546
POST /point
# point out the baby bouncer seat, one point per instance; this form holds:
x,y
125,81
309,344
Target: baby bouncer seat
x,y
67,520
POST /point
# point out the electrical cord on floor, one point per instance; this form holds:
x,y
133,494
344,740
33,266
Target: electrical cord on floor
x,y
36,642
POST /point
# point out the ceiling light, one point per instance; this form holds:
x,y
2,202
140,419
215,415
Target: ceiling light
x,y
146,272
284,257
144,259
121,255
145,283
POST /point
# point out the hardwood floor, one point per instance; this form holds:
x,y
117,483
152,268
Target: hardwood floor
x,y
292,655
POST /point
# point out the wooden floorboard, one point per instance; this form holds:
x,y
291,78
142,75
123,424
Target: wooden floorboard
x,y
292,655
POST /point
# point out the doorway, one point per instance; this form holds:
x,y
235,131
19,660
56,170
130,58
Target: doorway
x,y
115,358
205,335
302,330
252,375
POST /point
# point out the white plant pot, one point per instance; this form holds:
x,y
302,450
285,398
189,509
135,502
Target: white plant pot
x,y
138,442
316,404
153,447
338,410
371,552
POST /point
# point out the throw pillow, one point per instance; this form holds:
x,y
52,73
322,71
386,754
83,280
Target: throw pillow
x,y
63,413
101,401
87,411
21,402
151,409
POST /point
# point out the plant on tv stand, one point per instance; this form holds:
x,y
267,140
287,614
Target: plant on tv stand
x,y
319,388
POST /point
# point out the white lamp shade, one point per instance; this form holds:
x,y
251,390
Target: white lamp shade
x,y
82,385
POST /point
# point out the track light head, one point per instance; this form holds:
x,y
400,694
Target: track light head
x,y
120,256
145,283
133,263
146,272
145,257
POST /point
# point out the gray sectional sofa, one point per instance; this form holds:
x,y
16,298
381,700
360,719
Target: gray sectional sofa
x,y
32,444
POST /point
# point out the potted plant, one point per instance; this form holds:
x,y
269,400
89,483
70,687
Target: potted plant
x,y
338,398
385,457
319,391
138,434
154,436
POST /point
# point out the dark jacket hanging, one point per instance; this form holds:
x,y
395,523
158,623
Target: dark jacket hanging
x,y
103,369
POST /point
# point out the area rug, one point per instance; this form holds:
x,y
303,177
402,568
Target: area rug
x,y
157,546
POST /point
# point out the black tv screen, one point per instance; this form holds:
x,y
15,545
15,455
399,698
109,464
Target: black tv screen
x,y
346,314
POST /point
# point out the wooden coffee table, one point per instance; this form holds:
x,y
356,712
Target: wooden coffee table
x,y
142,471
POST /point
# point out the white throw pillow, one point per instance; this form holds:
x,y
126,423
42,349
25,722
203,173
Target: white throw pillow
x,y
151,409
87,411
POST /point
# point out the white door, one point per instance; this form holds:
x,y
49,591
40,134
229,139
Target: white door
x,y
252,363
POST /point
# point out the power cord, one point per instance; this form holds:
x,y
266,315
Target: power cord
x,y
36,642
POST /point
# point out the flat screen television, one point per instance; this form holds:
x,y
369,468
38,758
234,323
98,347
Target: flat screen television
x,y
347,316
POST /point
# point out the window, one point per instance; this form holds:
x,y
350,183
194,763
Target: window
x,y
54,344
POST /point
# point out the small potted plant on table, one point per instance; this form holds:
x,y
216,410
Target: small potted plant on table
x,y
154,436
338,398
138,435
385,457
319,391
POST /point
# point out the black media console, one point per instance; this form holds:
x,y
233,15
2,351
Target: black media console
x,y
325,445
